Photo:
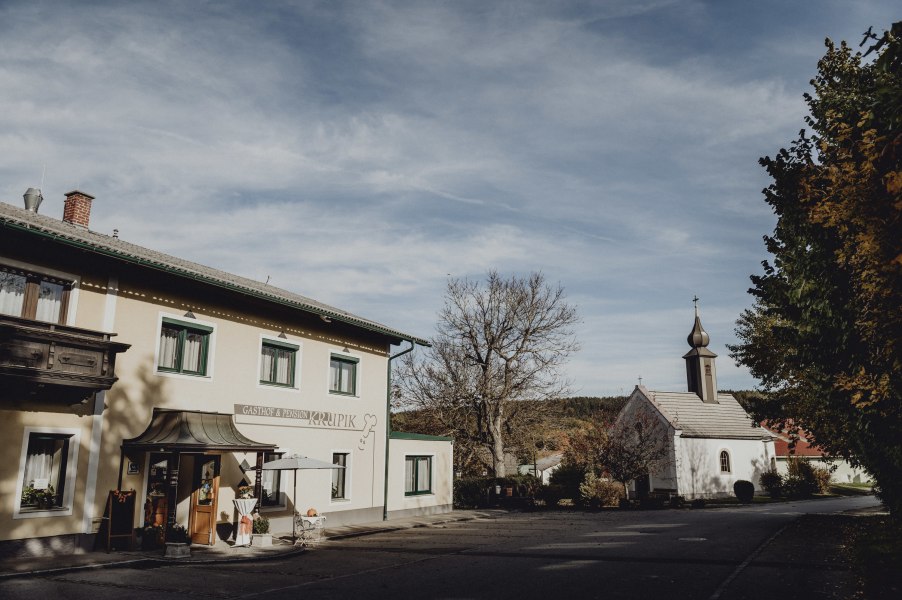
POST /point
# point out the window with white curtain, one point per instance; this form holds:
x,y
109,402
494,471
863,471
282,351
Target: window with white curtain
x,y
183,347
417,475
343,375
44,477
278,363
271,482
33,296
340,476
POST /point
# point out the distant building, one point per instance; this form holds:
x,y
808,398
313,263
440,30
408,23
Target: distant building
x,y
208,376
543,467
841,470
712,441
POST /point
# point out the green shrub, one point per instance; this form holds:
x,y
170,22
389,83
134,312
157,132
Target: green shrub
x,y
569,477
551,494
595,492
261,524
822,479
772,482
744,490
677,502
472,492
801,480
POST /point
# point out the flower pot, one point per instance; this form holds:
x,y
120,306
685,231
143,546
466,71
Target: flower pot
x,y
177,550
261,540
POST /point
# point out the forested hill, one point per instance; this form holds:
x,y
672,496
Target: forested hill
x,y
587,408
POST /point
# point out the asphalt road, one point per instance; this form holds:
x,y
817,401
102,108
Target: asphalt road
x,y
673,554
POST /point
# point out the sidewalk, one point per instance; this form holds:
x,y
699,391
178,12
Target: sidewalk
x,y
220,553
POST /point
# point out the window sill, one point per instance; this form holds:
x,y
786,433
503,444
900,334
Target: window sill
x,y
30,513
418,494
345,394
178,375
339,500
278,386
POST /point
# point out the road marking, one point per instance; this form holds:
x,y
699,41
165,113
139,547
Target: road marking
x,y
723,586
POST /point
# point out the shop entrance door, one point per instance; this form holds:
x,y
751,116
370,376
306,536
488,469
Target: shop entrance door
x,y
202,521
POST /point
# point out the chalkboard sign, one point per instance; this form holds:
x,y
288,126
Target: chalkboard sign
x,y
119,517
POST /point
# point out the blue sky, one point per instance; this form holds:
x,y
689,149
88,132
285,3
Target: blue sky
x,y
361,153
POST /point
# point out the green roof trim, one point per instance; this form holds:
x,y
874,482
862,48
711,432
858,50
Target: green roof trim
x,y
65,233
403,435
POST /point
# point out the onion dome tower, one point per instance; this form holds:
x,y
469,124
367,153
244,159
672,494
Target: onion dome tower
x,y
700,372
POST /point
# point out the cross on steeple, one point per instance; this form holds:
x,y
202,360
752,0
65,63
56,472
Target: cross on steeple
x,y
640,380
695,302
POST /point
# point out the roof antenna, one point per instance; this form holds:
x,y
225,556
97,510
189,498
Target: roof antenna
x,y
267,280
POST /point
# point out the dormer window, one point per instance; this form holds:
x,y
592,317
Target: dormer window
x,y
32,296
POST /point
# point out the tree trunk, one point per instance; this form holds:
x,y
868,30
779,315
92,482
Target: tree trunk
x,y
497,447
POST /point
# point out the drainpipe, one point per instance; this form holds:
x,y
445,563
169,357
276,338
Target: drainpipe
x,y
388,424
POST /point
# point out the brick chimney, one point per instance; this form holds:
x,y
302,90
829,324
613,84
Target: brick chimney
x,y
77,209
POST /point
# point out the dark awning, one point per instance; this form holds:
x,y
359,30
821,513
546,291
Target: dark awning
x,y
192,431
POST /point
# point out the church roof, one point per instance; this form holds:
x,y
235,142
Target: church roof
x,y
696,419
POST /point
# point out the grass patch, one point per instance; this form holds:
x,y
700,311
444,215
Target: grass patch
x,y
851,489
877,554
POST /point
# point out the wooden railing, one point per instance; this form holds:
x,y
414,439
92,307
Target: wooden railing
x,y
49,362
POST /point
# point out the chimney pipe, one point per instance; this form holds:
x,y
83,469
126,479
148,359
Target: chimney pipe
x,y
33,199
77,208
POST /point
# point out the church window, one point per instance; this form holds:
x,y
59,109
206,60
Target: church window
x,y
724,461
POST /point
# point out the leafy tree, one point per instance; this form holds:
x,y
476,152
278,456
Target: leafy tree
x,y
497,344
823,334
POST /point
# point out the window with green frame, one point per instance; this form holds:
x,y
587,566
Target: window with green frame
x,y
278,362
343,375
417,475
183,347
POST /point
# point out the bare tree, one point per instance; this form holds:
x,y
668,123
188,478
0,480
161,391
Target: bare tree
x,y
634,447
496,344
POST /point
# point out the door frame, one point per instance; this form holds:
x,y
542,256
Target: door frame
x,y
199,460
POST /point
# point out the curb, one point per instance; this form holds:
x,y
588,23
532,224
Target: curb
x,y
294,551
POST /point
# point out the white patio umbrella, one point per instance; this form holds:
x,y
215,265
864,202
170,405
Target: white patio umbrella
x,y
293,464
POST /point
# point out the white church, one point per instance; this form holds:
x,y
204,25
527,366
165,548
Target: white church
x,y
712,441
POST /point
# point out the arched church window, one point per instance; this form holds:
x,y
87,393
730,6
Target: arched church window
x,y
724,461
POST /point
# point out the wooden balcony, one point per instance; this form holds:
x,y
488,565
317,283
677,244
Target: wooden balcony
x,y
54,363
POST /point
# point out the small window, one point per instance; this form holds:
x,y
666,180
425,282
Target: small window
x,y
340,476
724,461
183,347
278,362
44,479
417,475
32,296
271,482
343,375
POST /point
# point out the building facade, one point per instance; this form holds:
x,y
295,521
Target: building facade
x,y
711,440
207,376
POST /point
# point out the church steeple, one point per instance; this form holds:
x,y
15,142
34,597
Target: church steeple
x,y
700,372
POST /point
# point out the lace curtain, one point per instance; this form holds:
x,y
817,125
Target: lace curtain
x,y
12,293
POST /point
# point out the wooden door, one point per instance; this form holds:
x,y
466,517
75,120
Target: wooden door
x,y
204,498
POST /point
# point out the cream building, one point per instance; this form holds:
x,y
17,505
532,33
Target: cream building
x,y
207,376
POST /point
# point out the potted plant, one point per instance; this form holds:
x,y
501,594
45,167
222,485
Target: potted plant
x,y
39,498
261,536
177,540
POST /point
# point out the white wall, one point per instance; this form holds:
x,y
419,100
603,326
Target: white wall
x,y
441,498
698,465
843,472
